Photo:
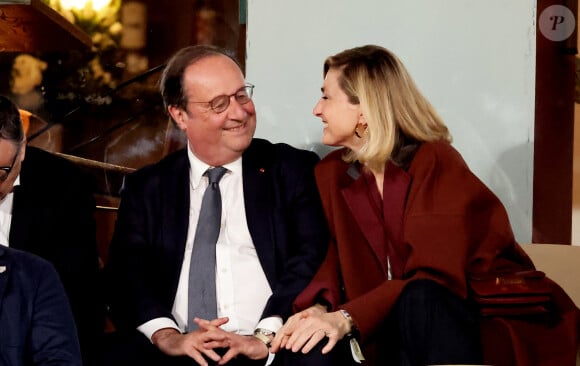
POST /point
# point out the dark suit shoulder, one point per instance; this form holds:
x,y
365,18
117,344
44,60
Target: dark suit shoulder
x,y
47,161
167,176
269,153
30,262
165,168
44,168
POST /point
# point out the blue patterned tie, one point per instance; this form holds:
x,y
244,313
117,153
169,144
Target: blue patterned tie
x,y
201,292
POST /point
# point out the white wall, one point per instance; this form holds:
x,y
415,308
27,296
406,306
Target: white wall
x,y
474,60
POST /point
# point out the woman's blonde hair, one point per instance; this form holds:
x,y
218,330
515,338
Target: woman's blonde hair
x,y
392,105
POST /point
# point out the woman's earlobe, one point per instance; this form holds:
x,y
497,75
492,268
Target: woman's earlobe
x,y
362,120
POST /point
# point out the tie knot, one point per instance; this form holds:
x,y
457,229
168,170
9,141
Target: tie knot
x,y
215,174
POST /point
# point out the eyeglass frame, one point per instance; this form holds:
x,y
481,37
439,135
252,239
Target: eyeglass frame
x,y
8,169
249,92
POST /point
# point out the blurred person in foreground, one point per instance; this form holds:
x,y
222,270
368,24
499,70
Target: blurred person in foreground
x,y
36,322
270,239
47,208
409,221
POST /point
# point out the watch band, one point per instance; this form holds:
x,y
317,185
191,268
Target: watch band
x,y
265,336
349,318
352,335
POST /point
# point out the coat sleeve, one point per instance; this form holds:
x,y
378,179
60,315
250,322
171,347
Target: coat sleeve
x,y
325,286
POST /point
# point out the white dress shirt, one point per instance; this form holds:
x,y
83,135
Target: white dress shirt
x,y
6,215
242,289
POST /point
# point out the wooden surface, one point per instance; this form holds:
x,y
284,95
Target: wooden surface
x,y
36,27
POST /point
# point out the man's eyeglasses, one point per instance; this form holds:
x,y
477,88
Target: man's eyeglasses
x,y
5,170
222,102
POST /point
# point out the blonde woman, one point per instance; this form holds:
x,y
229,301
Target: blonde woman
x,y
408,221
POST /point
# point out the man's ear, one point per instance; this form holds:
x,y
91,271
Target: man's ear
x,y
178,116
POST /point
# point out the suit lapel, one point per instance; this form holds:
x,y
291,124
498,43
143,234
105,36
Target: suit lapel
x,y
176,211
359,203
258,185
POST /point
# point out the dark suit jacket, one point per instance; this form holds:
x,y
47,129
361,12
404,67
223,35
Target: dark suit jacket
x,y
36,323
284,217
440,221
53,218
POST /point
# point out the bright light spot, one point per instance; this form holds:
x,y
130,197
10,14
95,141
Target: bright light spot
x,y
100,4
82,4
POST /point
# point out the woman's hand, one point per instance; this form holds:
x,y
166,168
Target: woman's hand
x,y
305,329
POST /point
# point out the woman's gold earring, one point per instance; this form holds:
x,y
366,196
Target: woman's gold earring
x,y
358,134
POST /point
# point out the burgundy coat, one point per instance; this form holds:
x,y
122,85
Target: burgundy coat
x,y
440,221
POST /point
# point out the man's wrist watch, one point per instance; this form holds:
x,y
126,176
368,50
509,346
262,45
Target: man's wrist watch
x,y
264,335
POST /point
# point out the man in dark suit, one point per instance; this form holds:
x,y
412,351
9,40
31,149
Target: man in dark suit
x,y
36,323
272,237
46,208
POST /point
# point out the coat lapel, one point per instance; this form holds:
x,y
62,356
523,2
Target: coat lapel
x,y
395,188
383,237
359,203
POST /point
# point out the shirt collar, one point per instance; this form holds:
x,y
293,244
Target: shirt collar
x,y
198,167
15,184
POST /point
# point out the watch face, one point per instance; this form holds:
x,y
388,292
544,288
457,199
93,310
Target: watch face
x,y
264,332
